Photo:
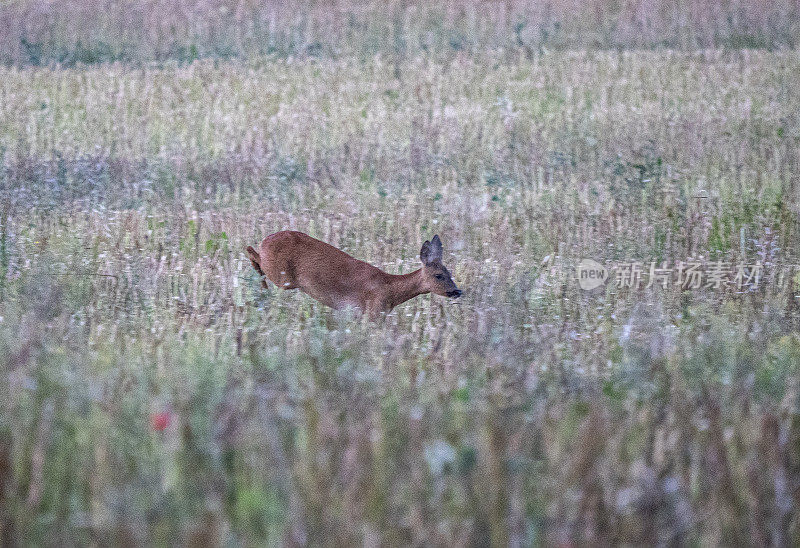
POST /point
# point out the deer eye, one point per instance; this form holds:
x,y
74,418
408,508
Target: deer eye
x,y
439,277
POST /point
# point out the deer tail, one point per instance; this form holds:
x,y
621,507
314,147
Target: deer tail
x,y
255,259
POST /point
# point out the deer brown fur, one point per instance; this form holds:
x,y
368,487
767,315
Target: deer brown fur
x,y
294,260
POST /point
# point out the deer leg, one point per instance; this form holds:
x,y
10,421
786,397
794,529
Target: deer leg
x,y
280,272
374,309
255,260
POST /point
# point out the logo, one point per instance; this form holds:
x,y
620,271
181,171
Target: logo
x,y
591,274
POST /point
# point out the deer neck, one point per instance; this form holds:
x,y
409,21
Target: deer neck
x,y
403,287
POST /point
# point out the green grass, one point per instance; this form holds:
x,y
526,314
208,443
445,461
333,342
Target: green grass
x,y
528,412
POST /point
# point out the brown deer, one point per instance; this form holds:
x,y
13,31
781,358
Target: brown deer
x,y
294,260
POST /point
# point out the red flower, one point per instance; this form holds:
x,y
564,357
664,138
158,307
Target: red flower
x,y
159,421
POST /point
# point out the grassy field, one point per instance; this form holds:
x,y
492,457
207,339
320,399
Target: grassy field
x,y
140,31
152,393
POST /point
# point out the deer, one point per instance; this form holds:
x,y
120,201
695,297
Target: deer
x,y
295,260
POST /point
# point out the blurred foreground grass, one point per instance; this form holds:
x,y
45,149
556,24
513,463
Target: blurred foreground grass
x,y
153,393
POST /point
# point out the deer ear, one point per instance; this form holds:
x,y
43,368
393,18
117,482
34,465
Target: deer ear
x,y
425,252
431,251
436,244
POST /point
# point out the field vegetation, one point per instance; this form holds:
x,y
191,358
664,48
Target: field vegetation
x,y
140,31
152,393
